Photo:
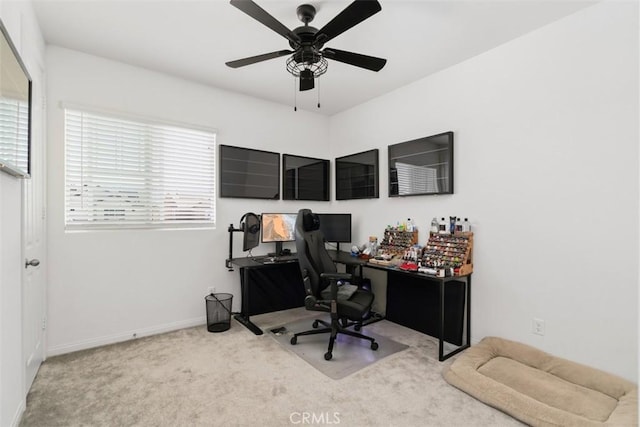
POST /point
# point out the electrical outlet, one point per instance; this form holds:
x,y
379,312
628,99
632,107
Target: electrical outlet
x,y
211,290
537,326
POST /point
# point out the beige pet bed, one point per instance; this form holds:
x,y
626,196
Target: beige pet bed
x,y
540,389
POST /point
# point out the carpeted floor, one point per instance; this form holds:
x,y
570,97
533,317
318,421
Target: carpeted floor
x,y
195,378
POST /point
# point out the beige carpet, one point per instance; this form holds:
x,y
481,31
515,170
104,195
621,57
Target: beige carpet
x,y
196,378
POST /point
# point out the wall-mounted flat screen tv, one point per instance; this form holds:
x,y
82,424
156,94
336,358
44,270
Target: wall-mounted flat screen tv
x,y
422,166
248,173
357,176
305,178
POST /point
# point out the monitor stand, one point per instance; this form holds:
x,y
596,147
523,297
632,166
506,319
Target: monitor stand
x,y
278,251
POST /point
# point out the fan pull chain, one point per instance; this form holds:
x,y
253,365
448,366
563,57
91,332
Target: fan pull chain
x,y
295,96
318,80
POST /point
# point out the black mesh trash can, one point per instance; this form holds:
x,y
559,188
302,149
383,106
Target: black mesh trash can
x,y
218,312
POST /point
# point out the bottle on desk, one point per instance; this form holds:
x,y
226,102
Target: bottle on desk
x,y
373,246
409,227
434,226
443,226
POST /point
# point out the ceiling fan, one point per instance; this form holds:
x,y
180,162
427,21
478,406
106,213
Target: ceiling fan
x,y
308,59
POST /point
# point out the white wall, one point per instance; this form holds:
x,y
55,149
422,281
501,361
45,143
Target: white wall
x,y
546,168
105,286
12,399
19,20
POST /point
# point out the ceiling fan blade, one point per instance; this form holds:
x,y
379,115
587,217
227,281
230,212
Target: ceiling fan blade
x,y
258,58
363,61
262,16
354,14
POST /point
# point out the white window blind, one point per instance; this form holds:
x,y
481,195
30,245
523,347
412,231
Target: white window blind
x,y
14,132
123,173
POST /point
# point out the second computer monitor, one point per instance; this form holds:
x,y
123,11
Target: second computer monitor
x,y
336,227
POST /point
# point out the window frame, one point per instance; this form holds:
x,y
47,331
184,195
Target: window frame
x,y
157,188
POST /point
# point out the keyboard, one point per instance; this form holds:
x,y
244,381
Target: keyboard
x,y
273,259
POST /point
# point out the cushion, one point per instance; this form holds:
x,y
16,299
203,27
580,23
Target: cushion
x,y
310,221
541,389
345,291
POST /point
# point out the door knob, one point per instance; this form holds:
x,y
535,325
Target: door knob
x,y
33,263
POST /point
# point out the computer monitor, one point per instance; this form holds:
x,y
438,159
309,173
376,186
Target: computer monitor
x,y
278,228
336,227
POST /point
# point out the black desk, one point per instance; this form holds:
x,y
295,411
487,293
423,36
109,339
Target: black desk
x,y
437,306
268,286
415,300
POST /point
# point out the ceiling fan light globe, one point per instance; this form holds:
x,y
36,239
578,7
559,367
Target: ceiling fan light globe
x,y
297,65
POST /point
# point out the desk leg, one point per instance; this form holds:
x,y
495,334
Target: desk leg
x,y
441,326
468,301
243,317
467,288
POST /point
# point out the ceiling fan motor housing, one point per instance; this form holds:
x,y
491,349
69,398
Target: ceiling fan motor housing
x,y
306,13
307,36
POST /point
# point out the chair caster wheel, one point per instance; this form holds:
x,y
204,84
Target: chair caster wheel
x,y
294,340
374,346
328,355
315,324
357,327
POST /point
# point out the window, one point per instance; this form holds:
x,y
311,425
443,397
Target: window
x,y
15,110
14,133
124,173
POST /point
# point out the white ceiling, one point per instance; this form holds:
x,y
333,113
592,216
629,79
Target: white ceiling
x,y
194,39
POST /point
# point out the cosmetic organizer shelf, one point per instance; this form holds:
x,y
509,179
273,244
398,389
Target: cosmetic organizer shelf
x,y
395,242
449,251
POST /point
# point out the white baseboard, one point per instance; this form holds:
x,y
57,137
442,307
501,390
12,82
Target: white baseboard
x,y
19,412
124,336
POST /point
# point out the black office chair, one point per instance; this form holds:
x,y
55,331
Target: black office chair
x,y
325,288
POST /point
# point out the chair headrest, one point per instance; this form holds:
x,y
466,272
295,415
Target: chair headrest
x,y
310,221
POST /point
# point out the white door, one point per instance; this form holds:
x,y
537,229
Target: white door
x,y
33,236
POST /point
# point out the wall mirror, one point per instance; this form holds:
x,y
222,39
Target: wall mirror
x,y
15,110
305,178
357,176
248,173
422,166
